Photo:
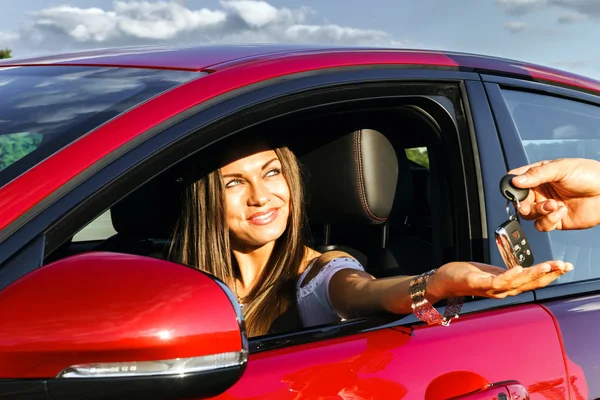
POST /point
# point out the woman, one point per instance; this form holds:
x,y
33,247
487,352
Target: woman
x,y
244,224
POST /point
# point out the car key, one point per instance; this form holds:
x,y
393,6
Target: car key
x,y
510,237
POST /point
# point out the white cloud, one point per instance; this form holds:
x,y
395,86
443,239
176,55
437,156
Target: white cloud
x,y
521,7
516,26
571,17
256,14
163,20
577,9
8,36
586,7
128,23
338,34
584,66
7,40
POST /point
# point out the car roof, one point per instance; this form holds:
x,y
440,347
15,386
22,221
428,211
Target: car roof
x,y
212,57
194,58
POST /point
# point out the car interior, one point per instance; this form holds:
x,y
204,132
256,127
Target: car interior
x,y
363,193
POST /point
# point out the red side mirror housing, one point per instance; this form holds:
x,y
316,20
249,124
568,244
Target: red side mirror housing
x,y
108,325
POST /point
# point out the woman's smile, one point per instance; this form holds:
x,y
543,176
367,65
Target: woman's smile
x,y
264,218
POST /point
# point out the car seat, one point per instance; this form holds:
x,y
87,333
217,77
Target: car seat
x,y
351,186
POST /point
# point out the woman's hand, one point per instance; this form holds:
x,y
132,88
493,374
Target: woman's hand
x,y
483,280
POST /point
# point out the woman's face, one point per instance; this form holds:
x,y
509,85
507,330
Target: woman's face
x,y
257,199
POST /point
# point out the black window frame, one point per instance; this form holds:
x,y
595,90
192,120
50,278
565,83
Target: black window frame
x,y
85,189
515,156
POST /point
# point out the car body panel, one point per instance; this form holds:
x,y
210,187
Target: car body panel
x,y
189,58
94,320
401,362
208,57
579,322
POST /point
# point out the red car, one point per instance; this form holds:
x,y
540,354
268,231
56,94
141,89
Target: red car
x,y
95,148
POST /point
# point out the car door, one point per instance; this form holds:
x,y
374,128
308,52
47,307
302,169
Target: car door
x,y
476,353
543,122
496,348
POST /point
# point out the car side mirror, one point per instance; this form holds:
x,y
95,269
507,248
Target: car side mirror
x,y
108,325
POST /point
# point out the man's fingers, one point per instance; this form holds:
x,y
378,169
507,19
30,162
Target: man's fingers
x,y
551,221
547,214
531,211
524,168
537,174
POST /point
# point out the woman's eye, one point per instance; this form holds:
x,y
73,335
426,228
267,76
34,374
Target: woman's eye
x,y
273,172
233,182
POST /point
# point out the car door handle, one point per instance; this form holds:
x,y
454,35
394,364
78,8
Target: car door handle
x,y
510,390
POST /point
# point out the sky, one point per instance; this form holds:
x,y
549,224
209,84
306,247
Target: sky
x,y
558,33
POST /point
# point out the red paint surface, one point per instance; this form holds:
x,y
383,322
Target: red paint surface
x,y
192,58
516,344
107,307
562,78
488,394
444,386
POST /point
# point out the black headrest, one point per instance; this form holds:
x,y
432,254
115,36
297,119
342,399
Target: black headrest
x,y
151,211
352,179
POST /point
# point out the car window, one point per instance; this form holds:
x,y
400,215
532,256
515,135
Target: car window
x,y
553,127
44,108
99,229
418,155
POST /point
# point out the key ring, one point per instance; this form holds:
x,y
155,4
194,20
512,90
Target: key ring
x,y
517,208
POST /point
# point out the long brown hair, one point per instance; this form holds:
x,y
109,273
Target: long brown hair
x,y
202,241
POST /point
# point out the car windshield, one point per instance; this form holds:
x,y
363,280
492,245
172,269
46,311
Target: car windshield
x,y
44,108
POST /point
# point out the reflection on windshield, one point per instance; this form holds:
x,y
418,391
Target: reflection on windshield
x,y
14,146
46,107
538,150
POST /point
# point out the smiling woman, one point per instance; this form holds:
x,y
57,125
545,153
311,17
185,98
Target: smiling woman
x,y
244,223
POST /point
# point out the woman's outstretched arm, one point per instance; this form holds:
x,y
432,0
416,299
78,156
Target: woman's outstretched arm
x,y
353,293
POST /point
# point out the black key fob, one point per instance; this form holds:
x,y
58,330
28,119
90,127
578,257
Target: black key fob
x,y
510,237
513,244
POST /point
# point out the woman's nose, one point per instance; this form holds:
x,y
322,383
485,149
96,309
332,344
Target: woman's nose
x,y
259,195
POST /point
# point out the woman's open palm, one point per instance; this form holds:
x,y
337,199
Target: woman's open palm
x,y
483,280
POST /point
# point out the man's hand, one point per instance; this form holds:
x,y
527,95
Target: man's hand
x,y
564,193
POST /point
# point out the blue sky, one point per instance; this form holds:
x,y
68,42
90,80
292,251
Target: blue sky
x,y
557,33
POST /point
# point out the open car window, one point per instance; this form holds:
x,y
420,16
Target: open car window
x,y
418,155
